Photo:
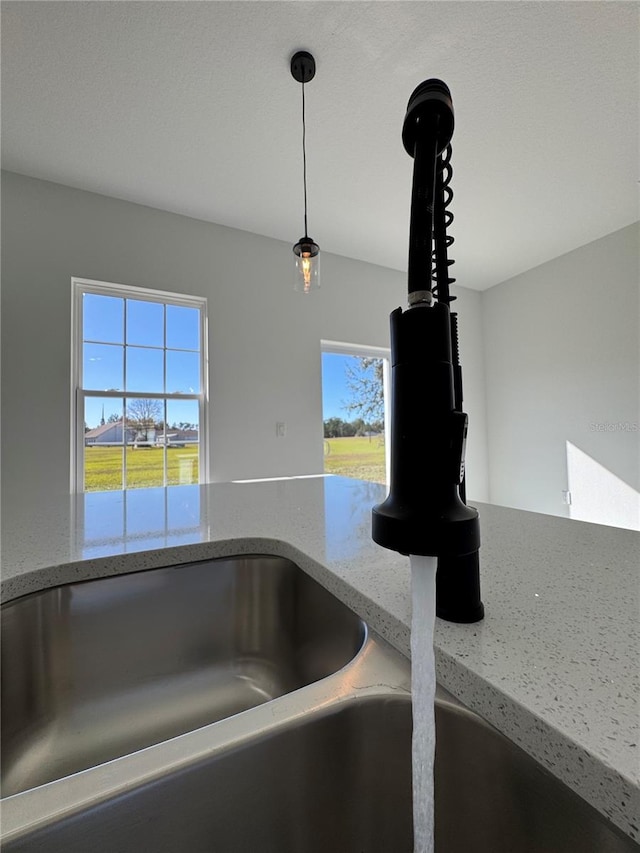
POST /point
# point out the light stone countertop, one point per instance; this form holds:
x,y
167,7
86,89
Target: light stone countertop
x,y
555,664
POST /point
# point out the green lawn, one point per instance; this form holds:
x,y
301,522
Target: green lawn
x,y
358,457
103,467
362,458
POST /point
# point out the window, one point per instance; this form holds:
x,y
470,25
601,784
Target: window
x,y
355,385
138,387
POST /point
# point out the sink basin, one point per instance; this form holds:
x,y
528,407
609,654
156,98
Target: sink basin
x,y
96,670
236,706
339,779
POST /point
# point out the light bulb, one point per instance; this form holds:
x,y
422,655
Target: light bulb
x,y
306,272
307,267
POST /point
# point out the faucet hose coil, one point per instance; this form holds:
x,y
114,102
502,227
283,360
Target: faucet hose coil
x,y
443,218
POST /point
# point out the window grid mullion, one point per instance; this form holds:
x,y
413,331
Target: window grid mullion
x,y
78,366
140,395
164,446
80,444
124,399
164,385
139,346
203,451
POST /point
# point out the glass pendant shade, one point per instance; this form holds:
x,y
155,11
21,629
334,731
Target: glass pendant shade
x,y
307,265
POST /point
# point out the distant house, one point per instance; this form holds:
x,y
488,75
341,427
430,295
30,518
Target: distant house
x,y
179,437
110,433
188,436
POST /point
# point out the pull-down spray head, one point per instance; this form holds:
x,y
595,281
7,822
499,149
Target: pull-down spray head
x,y
426,132
424,513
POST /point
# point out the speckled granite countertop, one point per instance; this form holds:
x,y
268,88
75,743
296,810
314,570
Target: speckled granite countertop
x,y
555,665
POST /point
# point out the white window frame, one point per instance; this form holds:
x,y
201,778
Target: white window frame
x,y
80,286
364,351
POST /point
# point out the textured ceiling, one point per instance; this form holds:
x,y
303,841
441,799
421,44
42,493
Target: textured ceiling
x,y
190,107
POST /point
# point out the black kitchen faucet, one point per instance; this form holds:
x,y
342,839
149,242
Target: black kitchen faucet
x,y
425,512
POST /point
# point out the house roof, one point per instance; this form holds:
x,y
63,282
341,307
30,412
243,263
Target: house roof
x,y
96,432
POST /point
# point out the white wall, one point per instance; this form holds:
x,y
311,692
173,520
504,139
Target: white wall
x,y
264,345
562,365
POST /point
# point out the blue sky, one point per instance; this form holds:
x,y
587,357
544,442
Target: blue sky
x,y
335,390
154,345
334,387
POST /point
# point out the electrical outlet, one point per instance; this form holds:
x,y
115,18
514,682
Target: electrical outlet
x,y
281,429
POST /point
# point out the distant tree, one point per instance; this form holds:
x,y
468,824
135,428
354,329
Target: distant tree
x,y
365,384
337,428
143,414
114,418
333,428
348,429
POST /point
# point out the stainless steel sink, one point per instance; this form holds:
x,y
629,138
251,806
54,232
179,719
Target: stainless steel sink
x,y
339,779
323,766
96,670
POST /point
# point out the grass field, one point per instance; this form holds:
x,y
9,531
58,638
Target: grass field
x,y
358,457
103,467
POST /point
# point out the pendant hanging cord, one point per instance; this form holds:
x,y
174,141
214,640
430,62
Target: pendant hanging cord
x,y
304,160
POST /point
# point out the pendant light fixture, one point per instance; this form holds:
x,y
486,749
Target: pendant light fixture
x,y
306,250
